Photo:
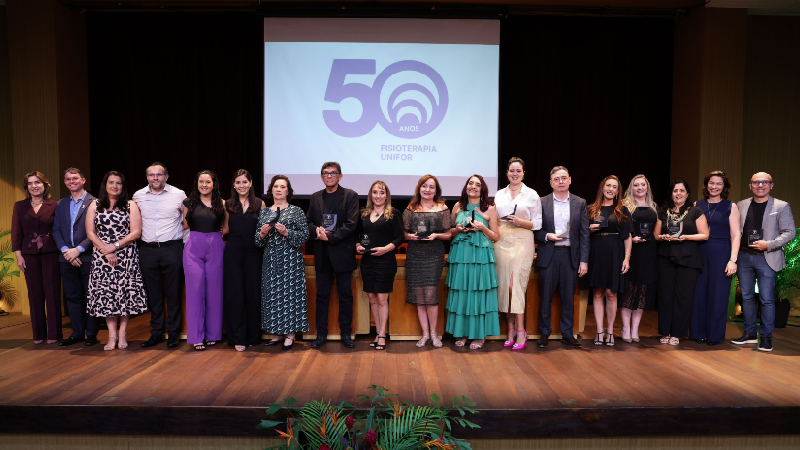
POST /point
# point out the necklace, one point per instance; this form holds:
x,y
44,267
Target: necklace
x,y
674,217
36,204
711,214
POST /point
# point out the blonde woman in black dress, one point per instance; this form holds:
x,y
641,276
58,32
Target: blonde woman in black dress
x,y
383,227
427,223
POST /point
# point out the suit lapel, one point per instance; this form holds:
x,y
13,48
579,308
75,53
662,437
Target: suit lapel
x,y
551,212
84,204
574,212
769,217
743,214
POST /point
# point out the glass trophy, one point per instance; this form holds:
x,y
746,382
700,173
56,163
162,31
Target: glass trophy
x,y
329,222
675,229
512,213
602,220
423,230
645,229
366,242
565,234
754,235
470,220
274,220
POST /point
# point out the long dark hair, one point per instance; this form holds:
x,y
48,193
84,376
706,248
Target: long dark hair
x,y
104,202
670,203
437,197
234,202
217,206
593,210
485,202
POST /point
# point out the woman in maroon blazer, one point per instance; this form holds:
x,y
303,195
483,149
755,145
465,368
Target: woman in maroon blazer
x,y
37,256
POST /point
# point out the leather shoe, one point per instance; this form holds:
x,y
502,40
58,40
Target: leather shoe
x,y
347,341
154,340
571,341
69,341
319,341
173,342
91,340
543,340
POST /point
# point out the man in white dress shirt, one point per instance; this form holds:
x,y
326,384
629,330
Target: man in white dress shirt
x,y
161,252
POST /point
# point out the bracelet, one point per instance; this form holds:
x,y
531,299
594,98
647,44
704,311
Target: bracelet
x,y
733,261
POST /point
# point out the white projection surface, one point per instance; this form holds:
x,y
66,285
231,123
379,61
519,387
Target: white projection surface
x,y
388,99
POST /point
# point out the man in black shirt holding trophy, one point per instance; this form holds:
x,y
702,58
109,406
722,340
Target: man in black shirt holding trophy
x,y
332,218
767,225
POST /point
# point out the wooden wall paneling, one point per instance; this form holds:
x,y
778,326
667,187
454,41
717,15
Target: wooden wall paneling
x,y
772,106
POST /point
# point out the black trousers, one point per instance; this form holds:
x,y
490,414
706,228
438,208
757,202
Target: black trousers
x,y
162,270
43,278
561,275
343,288
76,288
241,268
676,286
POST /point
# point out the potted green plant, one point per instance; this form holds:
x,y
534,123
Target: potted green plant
x,y
786,280
8,270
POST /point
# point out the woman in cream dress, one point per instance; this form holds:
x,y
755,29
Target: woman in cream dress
x,y
520,212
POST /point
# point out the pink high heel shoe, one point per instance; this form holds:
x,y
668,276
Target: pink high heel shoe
x,y
520,347
510,343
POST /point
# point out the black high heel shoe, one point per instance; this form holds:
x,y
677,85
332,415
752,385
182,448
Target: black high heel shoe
x,y
275,341
288,347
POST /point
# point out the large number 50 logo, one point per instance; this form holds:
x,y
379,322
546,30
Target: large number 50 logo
x,y
408,125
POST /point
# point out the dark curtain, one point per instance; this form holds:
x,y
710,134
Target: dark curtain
x,y
182,89
591,94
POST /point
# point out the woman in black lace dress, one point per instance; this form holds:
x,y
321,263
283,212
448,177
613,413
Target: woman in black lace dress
x,y
116,286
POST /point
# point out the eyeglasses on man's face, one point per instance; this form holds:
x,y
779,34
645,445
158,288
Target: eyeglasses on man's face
x,y
761,182
329,174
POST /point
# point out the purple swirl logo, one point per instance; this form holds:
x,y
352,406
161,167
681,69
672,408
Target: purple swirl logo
x,y
401,122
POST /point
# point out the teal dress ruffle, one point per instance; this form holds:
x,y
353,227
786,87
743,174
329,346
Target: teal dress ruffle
x,y
472,279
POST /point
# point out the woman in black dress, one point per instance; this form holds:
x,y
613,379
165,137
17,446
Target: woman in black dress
x,y
241,264
380,232
426,222
609,255
680,228
641,291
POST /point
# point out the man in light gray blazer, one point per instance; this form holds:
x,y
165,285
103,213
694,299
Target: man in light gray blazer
x,y
561,260
767,225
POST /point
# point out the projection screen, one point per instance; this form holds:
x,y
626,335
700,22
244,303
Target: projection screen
x,y
388,99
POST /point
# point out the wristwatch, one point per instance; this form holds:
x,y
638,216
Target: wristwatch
x,y
734,261
116,244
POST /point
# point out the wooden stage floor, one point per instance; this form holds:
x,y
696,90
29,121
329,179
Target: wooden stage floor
x,y
629,389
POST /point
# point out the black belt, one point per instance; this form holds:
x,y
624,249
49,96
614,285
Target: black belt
x,y
161,244
750,251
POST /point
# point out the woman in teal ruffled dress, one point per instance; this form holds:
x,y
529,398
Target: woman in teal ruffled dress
x,y
472,299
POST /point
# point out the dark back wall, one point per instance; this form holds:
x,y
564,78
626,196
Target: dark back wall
x,y
592,94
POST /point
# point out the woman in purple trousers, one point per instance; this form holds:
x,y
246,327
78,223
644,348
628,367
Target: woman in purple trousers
x,y
204,216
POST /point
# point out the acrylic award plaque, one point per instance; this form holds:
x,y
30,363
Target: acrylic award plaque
x,y
512,213
470,220
754,235
274,220
329,222
565,234
675,229
423,230
645,229
602,220
366,242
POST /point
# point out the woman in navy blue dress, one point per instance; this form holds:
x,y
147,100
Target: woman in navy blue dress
x,y
710,308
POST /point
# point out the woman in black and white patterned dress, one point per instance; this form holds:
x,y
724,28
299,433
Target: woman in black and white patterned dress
x,y
116,287
283,282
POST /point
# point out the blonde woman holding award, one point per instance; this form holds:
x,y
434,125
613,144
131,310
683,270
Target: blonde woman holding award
x,y
520,212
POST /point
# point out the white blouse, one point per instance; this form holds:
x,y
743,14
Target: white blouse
x,y
529,207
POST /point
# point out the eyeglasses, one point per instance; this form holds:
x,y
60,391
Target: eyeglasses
x,y
761,182
155,175
561,179
329,174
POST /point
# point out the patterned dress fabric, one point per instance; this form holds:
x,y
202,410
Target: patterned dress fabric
x,y
425,259
642,277
283,281
115,290
472,279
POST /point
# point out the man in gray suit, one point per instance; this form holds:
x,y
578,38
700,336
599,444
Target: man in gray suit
x,y
767,225
561,260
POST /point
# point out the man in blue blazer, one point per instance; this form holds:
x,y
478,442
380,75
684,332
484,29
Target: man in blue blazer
x,y
69,232
561,260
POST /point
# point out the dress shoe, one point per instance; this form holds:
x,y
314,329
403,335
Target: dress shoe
x,y
713,343
347,341
69,341
91,340
154,340
319,341
571,341
543,340
173,342
288,347
277,340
